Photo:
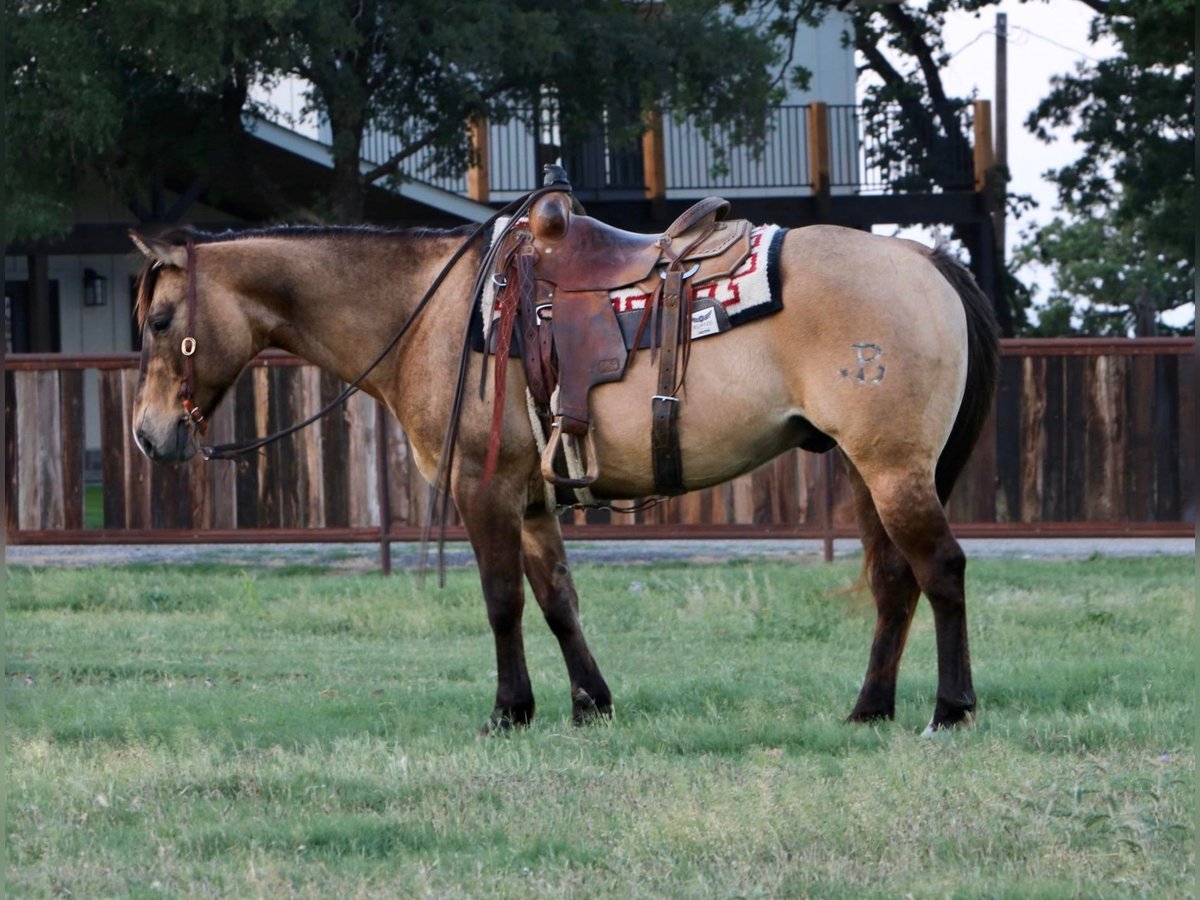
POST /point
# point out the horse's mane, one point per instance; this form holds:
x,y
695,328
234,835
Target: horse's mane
x,y
147,277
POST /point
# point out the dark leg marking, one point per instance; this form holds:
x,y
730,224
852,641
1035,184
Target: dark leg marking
x,y
916,524
496,540
546,568
895,590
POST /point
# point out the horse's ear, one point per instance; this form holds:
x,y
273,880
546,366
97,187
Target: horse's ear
x,y
160,251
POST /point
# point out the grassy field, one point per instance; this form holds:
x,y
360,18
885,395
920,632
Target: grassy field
x,y
211,731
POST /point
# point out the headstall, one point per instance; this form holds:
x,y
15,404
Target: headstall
x,y
187,387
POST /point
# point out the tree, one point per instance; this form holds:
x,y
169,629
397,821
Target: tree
x,y
423,70
902,47
148,92
136,93
1127,251
1130,195
1109,277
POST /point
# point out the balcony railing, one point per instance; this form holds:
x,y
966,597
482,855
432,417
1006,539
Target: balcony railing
x,y
883,152
870,152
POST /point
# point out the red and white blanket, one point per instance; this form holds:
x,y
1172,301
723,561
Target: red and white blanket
x,y
745,289
749,293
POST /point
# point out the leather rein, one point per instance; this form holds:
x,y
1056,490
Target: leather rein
x,y
188,347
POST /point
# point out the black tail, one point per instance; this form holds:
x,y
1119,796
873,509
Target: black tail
x,y
983,365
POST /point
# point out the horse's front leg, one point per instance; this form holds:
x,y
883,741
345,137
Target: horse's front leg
x,y
546,567
495,533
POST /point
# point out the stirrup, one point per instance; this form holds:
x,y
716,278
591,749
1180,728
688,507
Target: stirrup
x,y
551,451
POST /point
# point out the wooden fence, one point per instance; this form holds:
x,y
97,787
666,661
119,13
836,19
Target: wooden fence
x,y
1088,437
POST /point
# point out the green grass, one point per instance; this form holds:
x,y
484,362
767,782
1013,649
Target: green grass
x,y
209,731
93,506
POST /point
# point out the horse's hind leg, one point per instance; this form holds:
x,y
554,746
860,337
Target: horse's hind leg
x,y
896,593
909,510
546,568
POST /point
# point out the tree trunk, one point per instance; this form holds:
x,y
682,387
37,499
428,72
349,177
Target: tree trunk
x,y
349,192
1145,315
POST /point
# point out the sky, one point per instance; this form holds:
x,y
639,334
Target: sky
x,y
1044,39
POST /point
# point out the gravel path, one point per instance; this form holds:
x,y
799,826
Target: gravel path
x,y
365,557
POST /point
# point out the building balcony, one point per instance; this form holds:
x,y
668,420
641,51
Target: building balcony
x,y
842,148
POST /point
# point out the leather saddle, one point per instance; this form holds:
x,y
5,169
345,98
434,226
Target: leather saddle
x,y
556,274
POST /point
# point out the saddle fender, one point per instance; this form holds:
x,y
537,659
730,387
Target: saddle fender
x,y
591,351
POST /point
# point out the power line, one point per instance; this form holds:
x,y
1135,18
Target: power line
x,y
1041,37
981,34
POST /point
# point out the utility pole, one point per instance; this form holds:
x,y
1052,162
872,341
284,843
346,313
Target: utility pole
x,y
1001,131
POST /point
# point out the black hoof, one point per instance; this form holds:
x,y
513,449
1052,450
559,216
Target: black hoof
x,y
867,716
946,717
503,721
587,709
875,701
591,713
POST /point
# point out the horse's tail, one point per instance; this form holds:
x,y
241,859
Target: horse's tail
x,y
983,366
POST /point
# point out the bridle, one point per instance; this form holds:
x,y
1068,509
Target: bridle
x,y
187,387
188,347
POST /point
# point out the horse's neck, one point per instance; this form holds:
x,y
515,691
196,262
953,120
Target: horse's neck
x,y
337,301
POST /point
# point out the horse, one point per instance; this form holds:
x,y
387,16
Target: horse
x,y
207,304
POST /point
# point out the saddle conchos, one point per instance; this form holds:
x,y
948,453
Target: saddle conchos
x,y
575,299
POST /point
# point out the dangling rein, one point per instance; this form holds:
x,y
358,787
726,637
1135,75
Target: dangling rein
x,y
189,347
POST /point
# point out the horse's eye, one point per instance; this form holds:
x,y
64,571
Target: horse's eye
x,y
159,324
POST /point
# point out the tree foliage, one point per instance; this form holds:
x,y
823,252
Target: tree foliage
x,y
146,91
1127,240
133,93
422,70
1108,277
902,47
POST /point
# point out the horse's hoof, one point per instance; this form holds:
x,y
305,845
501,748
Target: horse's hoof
x,y
591,714
504,721
586,709
870,716
942,722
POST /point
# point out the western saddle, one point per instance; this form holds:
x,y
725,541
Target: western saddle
x,y
554,274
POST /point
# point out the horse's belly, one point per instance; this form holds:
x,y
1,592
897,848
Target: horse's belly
x,y
736,412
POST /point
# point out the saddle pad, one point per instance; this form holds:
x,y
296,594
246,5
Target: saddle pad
x,y
749,293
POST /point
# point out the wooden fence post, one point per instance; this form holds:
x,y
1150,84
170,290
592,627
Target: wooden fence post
x,y
985,155
654,156
478,177
382,488
819,155
827,512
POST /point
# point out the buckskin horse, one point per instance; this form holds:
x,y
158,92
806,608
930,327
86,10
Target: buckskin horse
x,y
208,304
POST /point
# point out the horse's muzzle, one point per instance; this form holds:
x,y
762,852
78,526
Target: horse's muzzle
x,y
176,447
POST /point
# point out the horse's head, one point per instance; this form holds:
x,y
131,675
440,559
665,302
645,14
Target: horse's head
x,y
196,338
